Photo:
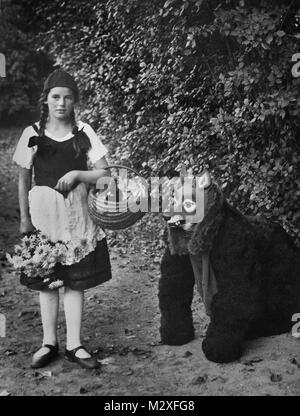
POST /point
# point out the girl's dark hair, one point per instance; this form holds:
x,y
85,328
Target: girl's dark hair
x,y
74,131
44,113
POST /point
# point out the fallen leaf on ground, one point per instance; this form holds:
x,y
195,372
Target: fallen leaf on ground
x,y
155,344
24,313
252,361
248,369
47,373
8,353
128,373
276,377
295,362
139,351
200,379
83,390
107,361
222,379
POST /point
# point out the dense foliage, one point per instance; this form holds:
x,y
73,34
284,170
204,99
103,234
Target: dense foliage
x,y
205,83
25,67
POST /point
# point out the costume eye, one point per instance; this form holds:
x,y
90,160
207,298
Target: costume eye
x,y
189,206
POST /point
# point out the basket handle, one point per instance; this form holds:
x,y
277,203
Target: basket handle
x,y
121,167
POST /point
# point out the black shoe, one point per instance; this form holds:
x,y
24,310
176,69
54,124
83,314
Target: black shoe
x,y
46,358
89,363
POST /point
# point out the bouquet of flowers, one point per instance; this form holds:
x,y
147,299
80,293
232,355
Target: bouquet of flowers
x,y
35,258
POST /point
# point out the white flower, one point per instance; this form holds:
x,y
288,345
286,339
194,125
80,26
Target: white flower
x,y
18,250
40,250
43,237
17,261
47,249
59,252
26,255
36,259
26,242
9,258
56,284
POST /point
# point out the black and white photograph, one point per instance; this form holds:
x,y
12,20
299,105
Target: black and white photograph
x,y
149,200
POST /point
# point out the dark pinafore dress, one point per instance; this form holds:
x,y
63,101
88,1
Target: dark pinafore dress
x,y
51,161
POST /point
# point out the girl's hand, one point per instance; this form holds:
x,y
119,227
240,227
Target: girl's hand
x,y
66,182
26,226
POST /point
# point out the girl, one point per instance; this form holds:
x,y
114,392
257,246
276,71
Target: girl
x,y
58,149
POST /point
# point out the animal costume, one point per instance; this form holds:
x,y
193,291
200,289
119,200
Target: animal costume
x,y
247,268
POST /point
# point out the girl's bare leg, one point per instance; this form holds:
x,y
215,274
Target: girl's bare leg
x,y
73,304
49,301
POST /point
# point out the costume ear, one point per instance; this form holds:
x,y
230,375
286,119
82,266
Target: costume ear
x,y
204,180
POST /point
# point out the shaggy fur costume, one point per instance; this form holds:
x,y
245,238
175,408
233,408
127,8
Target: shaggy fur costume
x,y
257,269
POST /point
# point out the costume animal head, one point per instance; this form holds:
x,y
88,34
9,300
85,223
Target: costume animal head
x,y
194,215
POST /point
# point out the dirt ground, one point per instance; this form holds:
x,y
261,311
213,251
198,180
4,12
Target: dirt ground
x,y
121,325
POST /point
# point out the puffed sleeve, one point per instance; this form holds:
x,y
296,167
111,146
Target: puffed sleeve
x,y
23,154
98,149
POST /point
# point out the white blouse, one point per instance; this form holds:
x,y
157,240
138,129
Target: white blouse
x,y
59,218
23,155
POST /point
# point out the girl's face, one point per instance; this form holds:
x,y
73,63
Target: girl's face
x,y
61,102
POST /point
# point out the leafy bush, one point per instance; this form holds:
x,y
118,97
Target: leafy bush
x,y
205,83
25,67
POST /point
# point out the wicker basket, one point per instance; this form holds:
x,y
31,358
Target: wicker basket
x,y
109,214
